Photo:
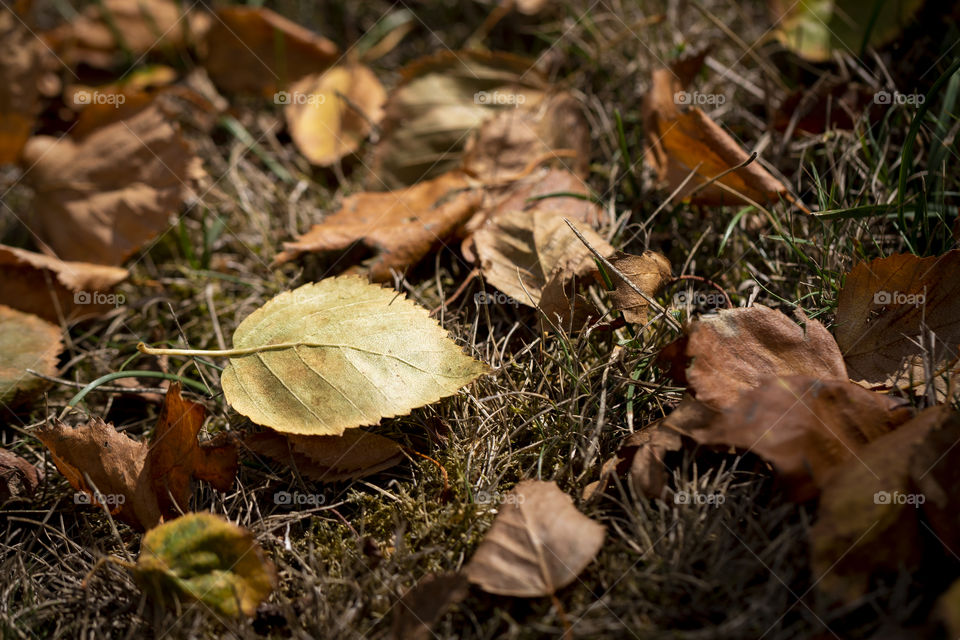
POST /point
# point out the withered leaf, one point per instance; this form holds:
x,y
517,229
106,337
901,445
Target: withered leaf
x,y
54,289
401,226
422,606
886,305
18,478
738,349
145,483
650,271
538,543
640,457
26,342
21,66
101,198
563,306
354,454
255,50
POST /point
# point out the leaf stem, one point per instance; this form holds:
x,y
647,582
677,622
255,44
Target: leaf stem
x,y
224,353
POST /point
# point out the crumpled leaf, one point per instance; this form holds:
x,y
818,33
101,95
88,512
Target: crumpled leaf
x,y
563,306
650,271
640,456
884,306
101,198
203,557
439,101
507,143
255,50
868,518
26,342
738,349
325,126
355,454
339,354
48,287
679,143
522,250
400,226
422,606
21,66
142,483
538,543
18,478
805,427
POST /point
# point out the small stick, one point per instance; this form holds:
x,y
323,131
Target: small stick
x,y
456,294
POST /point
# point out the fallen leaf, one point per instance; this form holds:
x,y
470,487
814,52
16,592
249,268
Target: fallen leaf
x,y
21,66
330,114
400,226
649,271
935,473
101,198
18,478
640,457
142,483
738,349
254,50
506,144
538,543
681,143
947,610
338,354
886,305
868,517
522,250
563,306
355,454
208,559
54,289
833,104
805,427
420,608
26,342
439,101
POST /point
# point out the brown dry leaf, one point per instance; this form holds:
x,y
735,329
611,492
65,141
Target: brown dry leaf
x,y
679,143
738,349
18,478
325,126
101,198
805,427
143,26
400,226
886,305
538,543
143,483
21,66
254,50
868,518
54,289
522,250
563,306
422,606
935,472
354,454
640,456
26,342
508,142
439,101
649,271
